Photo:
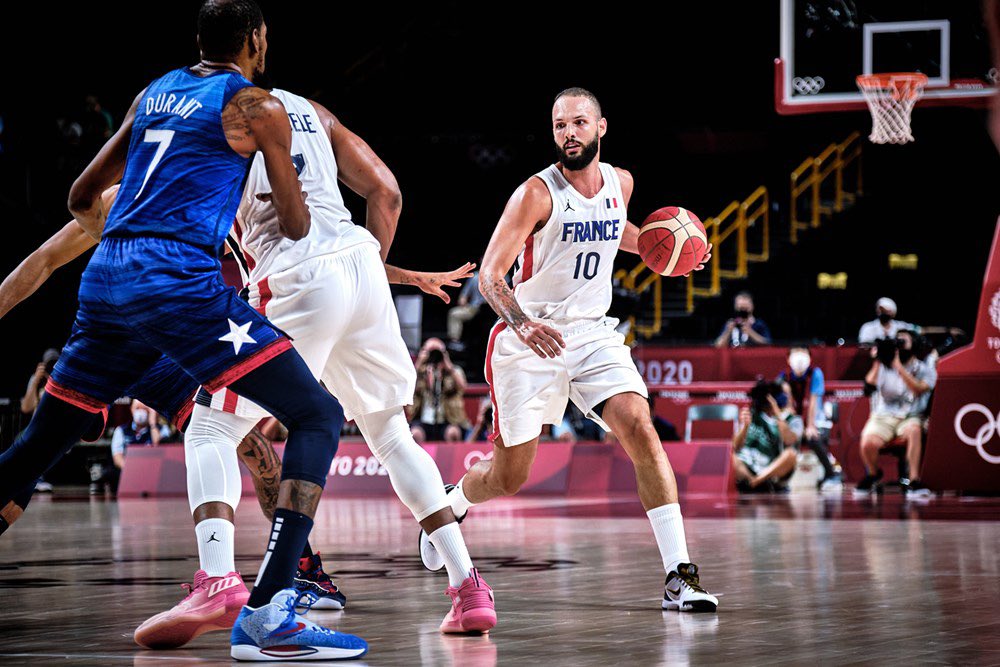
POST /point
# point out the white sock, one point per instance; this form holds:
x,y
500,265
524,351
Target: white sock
x,y
450,544
668,527
459,503
215,546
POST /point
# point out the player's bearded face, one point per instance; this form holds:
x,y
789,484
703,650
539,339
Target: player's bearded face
x,y
584,153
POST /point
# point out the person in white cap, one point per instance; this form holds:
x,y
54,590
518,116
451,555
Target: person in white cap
x,y
885,325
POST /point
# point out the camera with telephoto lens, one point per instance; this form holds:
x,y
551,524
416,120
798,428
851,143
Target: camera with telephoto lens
x,y
760,392
885,350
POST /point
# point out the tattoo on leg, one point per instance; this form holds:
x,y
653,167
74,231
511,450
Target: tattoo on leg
x,y
300,496
258,455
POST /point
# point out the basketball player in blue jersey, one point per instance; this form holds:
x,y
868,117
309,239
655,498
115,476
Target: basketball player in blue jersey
x,y
153,288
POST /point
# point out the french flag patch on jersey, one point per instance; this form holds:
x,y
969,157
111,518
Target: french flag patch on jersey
x,y
611,203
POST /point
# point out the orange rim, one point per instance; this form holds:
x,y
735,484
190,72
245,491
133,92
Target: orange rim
x,y
908,84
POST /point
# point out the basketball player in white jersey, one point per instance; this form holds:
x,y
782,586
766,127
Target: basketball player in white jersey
x,y
561,231
328,291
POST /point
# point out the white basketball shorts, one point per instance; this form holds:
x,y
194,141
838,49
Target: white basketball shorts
x,y
528,391
338,311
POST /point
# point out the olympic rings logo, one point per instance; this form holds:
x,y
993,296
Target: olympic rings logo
x,y
808,85
983,435
474,457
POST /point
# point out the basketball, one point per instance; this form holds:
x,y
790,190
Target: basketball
x,y
672,241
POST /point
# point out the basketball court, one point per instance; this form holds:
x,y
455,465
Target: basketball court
x,y
806,579
805,576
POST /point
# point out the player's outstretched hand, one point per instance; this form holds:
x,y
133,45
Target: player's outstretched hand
x,y
543,340
704,260
434,283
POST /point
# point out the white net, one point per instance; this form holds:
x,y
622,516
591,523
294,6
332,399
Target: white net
x,y
890,98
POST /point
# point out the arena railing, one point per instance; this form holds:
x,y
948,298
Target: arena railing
x,y
821,186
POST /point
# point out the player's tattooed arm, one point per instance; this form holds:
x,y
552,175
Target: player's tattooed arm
x,y
432,283
360,169
258,455
86,200
254,120
527,211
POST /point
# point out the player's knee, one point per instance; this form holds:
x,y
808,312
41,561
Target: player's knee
x,y
319,411
509,480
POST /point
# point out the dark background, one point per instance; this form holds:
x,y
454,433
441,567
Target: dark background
x,y
456,99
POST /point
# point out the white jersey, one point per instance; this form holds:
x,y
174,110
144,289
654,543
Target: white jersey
x,y
256,240
563,274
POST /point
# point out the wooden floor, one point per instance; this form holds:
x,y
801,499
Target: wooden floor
x,y
805,580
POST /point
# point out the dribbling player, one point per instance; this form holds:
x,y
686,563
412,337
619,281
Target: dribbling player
x,y
561,231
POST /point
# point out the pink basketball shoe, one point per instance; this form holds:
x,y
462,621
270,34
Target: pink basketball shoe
x,y
212,603
472,607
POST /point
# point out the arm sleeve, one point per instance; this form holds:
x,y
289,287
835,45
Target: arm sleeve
x,y
865,334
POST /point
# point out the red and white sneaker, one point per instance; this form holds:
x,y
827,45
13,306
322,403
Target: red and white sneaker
x,y
472,607
212,603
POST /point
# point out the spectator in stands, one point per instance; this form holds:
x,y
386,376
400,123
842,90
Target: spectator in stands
x,y
469,302
438,410
143,429
885,324
804,386
483,427
743,328
900,384
764,455
33,394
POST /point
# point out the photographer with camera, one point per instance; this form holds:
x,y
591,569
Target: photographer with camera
x,y
885,325
743,328
438,410
899,383
804,384
760,458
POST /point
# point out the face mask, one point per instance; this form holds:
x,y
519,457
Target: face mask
x,y
782,400
140,418
905,355
884,318
799,362
742,314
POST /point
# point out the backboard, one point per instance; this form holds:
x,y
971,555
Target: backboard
x,y
825,44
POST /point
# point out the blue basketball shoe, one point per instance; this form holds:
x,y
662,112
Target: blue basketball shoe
x,y
275,632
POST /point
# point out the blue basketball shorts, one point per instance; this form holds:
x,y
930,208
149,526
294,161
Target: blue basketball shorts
x,y
142,298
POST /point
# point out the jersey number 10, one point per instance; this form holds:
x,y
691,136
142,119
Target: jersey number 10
x,y
584,262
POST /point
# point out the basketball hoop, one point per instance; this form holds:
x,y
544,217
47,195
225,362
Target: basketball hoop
x,y
890,98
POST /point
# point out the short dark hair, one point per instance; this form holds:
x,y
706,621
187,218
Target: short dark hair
x,y
580,92
224,26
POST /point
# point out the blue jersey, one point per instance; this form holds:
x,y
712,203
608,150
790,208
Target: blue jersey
x,y
182,179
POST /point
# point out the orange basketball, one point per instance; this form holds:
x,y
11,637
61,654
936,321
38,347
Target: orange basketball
x,y
672,241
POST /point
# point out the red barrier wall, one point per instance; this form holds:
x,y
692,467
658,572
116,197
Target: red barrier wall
x,y
963,440
560,468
